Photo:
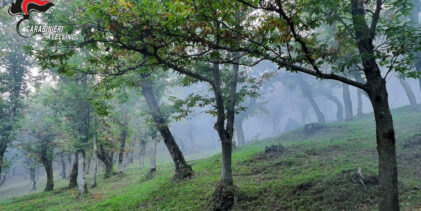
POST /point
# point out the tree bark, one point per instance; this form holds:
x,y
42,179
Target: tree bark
x,y
347,102
409,94
339,109
385,135
121,152
319,114
359,102
63,166
47,162
239,130
87,165
309,95
107,159
81,174
95,163
418,67
108,170
223,196
142,146
359,78
152,167
74,172
3,146
182,169
32,177
69,161
376,89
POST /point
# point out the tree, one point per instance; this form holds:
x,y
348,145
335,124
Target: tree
x,y
409,93
347,102
41,131
15,64
298,38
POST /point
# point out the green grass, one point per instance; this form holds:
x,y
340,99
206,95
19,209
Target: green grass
x,y
316,172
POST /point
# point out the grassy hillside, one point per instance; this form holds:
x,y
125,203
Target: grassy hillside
x,y
316,172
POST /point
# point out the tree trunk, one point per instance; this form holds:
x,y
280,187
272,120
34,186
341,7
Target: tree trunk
x,y
74,172
359,102
81,174
47,162
223,196
142,146
339,109
95,163
3,146
319,114
182,169
239,131
69,161
347,102
152,167
409,93
108,170
385,135
32,177
87,165
376,89
63,166
121,152
131,152
359,78
309,95
107,159
418,66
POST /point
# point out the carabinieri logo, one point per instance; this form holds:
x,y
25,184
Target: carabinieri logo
x,y
25,7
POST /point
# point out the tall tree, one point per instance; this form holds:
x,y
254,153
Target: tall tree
x,y
41,131
13,82
358,30
349,115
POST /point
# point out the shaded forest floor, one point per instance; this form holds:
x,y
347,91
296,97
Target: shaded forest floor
x,y
316,172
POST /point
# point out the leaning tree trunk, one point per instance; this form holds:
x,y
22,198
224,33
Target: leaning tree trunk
x,y
339,109
409,93
182,169
81,174
32,177
239,130
319,114
47,162
142,146
347,102
74,172
63,166
152,167
95,163
309,95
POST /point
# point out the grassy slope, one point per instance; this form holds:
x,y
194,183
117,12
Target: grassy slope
x,y
315,173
